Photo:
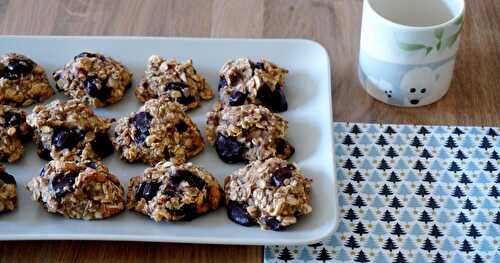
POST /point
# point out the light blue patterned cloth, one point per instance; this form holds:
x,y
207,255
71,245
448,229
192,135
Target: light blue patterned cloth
x,y
424,194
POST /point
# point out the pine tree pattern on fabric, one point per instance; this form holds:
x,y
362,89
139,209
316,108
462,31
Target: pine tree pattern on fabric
x,y
411,194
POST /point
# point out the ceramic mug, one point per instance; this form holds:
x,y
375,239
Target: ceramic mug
x,y
408,49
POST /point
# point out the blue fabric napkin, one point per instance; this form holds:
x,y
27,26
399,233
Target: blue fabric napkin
x,y
424,194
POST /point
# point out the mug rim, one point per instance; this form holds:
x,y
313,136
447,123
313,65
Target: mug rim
x,y
418,28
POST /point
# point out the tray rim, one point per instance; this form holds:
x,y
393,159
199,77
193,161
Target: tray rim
x,y
193,239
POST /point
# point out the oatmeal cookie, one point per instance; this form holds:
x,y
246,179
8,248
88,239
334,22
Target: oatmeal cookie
x,y
159,131
13,131
22,81
98,80
247,133
271,193
8,195
174,192
70,130
243,81
79,190
177,80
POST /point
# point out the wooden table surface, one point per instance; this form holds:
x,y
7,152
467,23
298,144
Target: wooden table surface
x,y
474,98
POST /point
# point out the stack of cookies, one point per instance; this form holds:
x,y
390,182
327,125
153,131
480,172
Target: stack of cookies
x,y
244,127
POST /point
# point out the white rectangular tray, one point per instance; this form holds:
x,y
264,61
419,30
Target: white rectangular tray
x,y
310,131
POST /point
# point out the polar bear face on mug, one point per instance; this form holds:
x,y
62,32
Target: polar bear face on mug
x,y
417,84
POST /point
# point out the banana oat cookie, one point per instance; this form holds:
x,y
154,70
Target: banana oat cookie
x,y
271,193
22,81
98,80
247,133
8,195
177,80
243,81
159,131
174,192
13,131
79,190
70,130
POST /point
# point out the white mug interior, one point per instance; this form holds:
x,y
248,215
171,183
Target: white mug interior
x,y
418,13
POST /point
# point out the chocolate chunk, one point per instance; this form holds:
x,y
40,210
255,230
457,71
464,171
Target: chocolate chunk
x,y
284,148
264,94
142,122
147,190
259,65
185,175
229,149
64,138
189,211
272,223
43,153
96,88
166,153
237,98
179,86
92,165
278,101
274,100
238,213
281,174
181,126
63,183
12,119
140,137
7,178
16,68
85,55
222,82
102,145
186,100
234,77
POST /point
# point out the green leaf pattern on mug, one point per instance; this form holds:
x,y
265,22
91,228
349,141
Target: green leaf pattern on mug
x,y
440,43
460,21
439,33
428,50
450,41
410,47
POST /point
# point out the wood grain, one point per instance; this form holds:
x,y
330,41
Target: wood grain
x,y
474,98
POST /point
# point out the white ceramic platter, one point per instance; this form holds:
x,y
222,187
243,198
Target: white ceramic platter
x,y
310,131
